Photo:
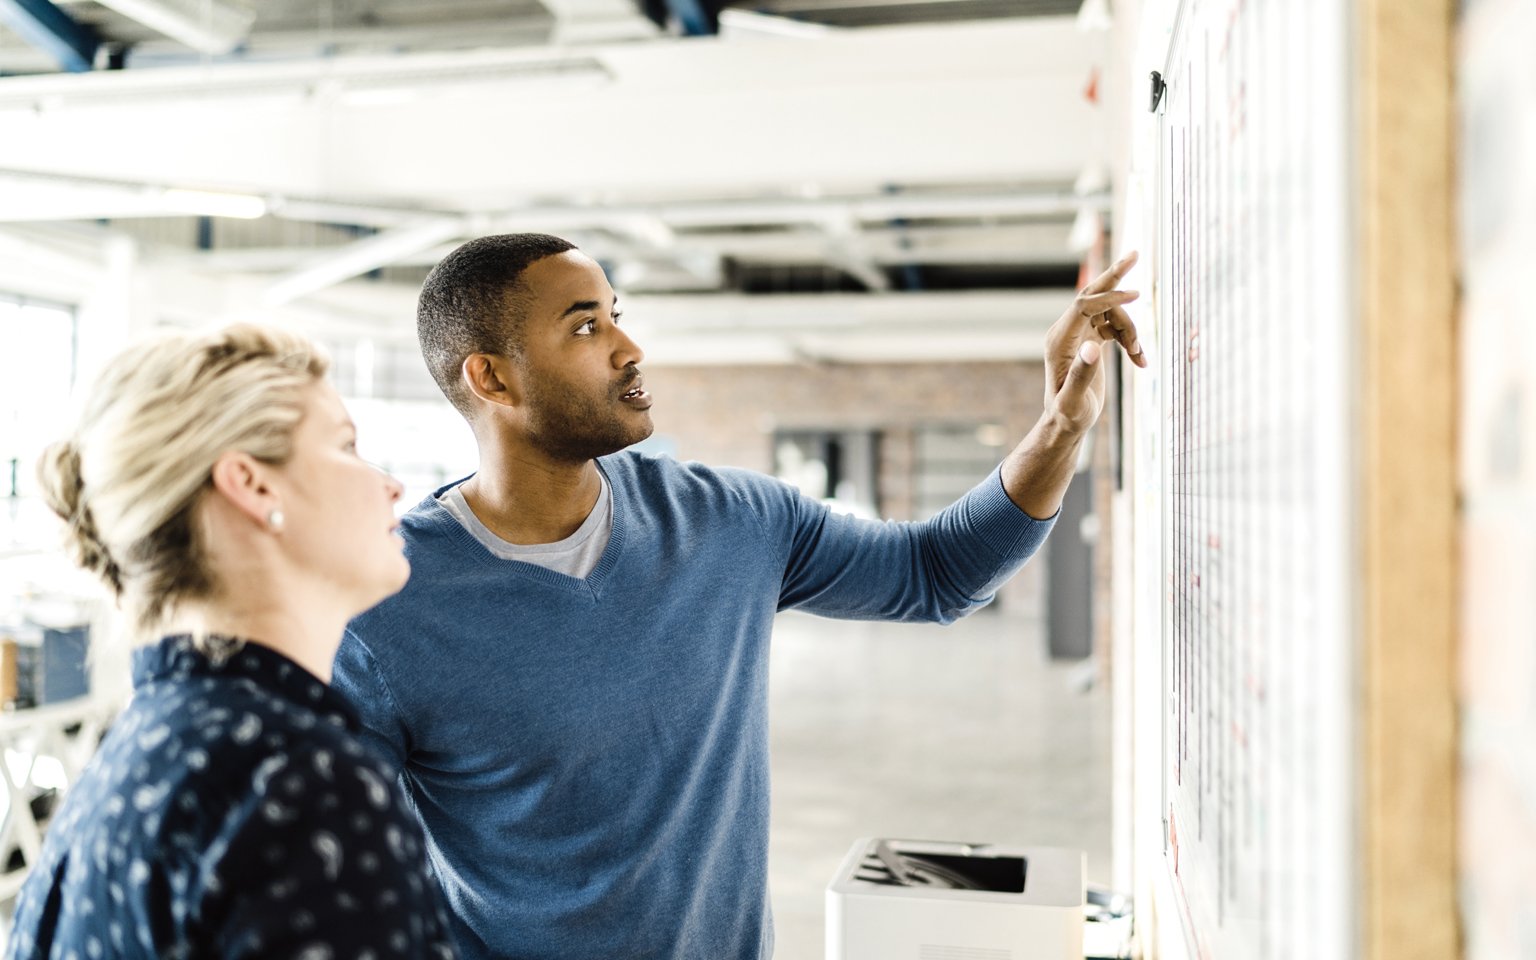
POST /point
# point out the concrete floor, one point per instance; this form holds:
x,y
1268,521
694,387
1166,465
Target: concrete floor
x,y
966,732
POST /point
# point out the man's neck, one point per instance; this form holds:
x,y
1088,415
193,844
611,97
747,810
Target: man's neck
x,y
528,500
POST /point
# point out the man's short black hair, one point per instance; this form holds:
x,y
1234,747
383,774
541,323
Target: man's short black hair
x,y
473,302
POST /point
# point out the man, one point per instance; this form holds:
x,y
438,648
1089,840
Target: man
x,y
574,681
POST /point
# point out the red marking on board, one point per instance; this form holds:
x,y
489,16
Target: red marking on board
x,y
1181,897
1173,838
1237,112
1213,541
1255,686
1091,92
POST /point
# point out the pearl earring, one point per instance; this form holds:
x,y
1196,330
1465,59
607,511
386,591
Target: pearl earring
x,y
275,520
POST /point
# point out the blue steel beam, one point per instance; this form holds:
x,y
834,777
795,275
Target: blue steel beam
x,y
695,17
53,31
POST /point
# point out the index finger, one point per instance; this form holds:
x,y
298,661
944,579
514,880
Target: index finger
x,y
1123,328
1111,278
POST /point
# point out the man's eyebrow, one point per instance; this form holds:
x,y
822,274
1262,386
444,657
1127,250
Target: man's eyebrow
x,y
582,306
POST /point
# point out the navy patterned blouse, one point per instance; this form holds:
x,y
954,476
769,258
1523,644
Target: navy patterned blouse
x,y
232,812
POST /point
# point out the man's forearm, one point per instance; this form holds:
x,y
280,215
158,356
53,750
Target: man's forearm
x,y
1037,472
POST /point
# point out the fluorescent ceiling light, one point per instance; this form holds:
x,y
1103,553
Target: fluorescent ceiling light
x,y
33,196
209,203
405,83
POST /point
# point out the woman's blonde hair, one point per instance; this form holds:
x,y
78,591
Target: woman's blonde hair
x,y
128,480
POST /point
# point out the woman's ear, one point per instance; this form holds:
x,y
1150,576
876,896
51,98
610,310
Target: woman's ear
x,y
492,378
244,482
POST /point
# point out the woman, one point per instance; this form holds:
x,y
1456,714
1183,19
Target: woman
x,y
214,484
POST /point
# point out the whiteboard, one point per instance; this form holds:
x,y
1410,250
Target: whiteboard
x,y
1250,237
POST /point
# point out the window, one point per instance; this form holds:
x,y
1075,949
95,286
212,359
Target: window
x,y
950,460
37,372
839,467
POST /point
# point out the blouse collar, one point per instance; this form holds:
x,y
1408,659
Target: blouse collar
x,y
176,658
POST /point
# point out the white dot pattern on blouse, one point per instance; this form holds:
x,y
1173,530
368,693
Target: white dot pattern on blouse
x,y
231,811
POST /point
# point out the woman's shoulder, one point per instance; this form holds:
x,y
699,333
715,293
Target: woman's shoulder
x,y
227,811
185,756
193,720
203,781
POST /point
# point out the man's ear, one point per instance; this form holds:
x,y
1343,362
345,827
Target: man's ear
x,y
492,378
243,481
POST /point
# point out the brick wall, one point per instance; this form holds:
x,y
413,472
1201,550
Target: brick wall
x,y
727,416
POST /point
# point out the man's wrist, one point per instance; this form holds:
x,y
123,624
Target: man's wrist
x,y
1037,472
1055,431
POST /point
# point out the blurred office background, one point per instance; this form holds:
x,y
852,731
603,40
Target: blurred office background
x,y
838,228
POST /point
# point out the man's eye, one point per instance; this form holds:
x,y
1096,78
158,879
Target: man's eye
x,y
617,316
589,327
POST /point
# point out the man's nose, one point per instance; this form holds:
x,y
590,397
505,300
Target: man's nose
x,y
626,351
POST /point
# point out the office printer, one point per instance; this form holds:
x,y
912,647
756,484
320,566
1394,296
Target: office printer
x,y
932,900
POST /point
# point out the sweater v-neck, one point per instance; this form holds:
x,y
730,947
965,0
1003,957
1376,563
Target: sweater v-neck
x,y
592,585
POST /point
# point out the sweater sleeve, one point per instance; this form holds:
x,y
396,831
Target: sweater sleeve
x,y
355,674
938,570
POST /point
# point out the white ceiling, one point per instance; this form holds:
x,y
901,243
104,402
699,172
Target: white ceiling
x,y
890,157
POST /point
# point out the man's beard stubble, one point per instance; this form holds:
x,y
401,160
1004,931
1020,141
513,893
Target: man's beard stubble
x,y
578,429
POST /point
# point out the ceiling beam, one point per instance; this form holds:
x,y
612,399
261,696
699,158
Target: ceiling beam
x,y
861,111
598,21
208,26
846,248
356,259
753,23
72,45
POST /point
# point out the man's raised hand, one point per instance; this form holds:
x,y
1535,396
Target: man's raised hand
x,y
1074,375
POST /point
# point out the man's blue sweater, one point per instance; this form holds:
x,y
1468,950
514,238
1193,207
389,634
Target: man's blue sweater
x,y
589,758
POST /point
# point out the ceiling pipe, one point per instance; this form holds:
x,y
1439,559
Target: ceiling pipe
x,y
304,80
940,205
1029,243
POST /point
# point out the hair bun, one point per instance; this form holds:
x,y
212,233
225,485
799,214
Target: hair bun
x,y
63,485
